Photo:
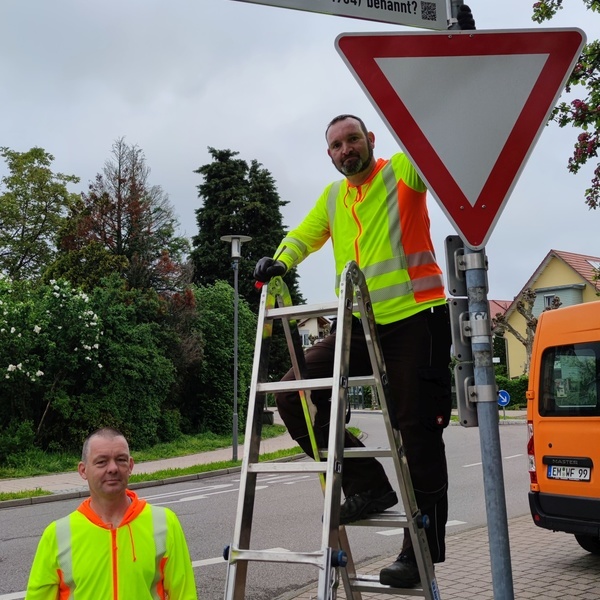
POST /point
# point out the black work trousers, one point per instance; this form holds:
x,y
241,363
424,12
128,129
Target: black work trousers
x,y
416,351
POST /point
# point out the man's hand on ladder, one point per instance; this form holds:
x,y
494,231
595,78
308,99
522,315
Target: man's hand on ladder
x,y
267,268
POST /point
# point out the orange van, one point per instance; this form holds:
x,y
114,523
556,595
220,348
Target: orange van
x,y
563,423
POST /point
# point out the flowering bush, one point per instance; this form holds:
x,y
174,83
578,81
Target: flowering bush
x,y
49,345
580,113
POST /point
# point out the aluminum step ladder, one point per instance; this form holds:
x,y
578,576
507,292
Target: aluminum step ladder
x,y
334,558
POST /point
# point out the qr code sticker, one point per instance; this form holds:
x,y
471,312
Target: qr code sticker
x,y
428,11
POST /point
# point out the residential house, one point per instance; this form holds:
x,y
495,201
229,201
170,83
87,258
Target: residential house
x,y
313,329
562,276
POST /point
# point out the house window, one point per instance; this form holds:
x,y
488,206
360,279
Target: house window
x,y
549,300
305,337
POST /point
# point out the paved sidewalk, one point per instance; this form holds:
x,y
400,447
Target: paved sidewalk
x,y
545,565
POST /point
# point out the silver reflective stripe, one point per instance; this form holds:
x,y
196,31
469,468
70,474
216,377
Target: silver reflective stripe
x,y
391,291
159,523
291,252
422,284
65,555
334,190
391,186
383,267
421,258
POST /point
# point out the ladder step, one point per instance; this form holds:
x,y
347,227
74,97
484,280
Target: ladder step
x,y
388,518
311,384
288,467
361,452
280,555
370,583
303,310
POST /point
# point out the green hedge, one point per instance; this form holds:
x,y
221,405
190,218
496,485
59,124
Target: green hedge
x,y
516,388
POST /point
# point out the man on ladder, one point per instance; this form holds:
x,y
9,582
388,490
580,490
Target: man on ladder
x,y
377,216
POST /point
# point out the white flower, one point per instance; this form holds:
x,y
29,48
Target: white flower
x,y
12,329
37,329
39,374
11,368
20,366
99,366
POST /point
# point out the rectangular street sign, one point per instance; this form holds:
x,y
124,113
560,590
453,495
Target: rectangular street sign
x,y
428,14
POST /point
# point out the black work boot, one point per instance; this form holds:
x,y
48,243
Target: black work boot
x,y
404,573
366,503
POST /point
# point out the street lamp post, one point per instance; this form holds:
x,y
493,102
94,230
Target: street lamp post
x,y
236,242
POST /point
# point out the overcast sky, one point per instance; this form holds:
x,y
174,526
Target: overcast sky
x,y
177,76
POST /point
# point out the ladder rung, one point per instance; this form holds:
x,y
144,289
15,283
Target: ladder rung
x,y
280,555
388,518
303,310
310,384
360,452
295,386
370,583
288,467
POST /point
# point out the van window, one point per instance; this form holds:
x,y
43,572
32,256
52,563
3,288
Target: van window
x,y
570,378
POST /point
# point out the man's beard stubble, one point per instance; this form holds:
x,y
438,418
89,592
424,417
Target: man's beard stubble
x,y
357,166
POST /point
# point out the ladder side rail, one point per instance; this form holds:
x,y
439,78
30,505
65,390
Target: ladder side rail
x,y
337,426
414,518
237,571
294,343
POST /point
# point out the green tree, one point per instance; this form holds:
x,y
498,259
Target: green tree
x,y
126,224
33,206
133,389
524,306
582,113
214,394
238,198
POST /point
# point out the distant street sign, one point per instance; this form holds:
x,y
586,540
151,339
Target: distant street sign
x,y
428,14
466,106
503,398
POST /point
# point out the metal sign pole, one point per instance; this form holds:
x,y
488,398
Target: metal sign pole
x,y
485,395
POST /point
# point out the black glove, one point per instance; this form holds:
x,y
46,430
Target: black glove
x,y
267,268
465,18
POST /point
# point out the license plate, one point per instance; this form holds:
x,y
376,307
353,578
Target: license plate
x,y
569,473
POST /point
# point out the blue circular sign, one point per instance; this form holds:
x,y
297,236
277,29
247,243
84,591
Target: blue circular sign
x,y
503,397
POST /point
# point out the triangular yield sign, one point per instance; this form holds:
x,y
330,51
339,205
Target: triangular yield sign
x,y
466,106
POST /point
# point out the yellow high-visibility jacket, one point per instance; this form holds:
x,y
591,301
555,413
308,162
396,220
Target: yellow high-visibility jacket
x,y
79,557
383,225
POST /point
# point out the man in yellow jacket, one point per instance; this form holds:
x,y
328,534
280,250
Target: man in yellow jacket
x,y
115,546
377,216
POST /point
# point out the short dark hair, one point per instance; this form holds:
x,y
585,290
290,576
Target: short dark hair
x,y
343,118
107,432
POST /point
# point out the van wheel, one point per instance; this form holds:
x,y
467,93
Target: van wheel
x,y
589,543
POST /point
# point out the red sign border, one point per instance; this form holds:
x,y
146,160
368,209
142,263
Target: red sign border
x,y
562,46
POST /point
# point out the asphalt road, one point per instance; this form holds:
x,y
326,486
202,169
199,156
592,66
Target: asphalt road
x,y
287,515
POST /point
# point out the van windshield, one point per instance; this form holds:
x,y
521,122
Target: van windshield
x,y
570,378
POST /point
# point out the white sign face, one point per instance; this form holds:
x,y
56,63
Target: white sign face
x,y
428,14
